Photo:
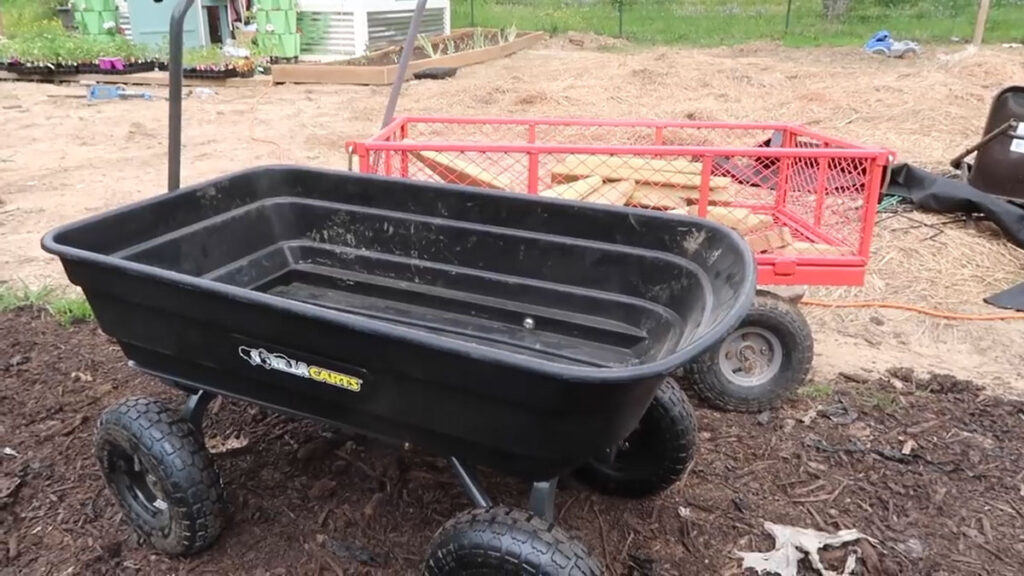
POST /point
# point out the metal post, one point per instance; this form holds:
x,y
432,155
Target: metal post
x,y
621,4
403,62
174,67
467,476
789,10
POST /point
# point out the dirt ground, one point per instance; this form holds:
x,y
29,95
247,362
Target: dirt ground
x,y
929,466
62,158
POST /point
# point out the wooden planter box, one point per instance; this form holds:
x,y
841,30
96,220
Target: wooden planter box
x,y
382,75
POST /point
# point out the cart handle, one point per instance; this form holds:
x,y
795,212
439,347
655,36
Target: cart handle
x,y
175,67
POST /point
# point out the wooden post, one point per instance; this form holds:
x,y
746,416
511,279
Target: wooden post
x,y
979,24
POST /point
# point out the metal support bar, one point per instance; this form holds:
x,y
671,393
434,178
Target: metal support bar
x,y
174,67
468,477
403,61
195,409
542,499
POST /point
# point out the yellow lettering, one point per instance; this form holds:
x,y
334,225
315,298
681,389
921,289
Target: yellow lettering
x,y
334,378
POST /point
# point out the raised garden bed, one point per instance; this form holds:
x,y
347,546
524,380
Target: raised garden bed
x,y
463,47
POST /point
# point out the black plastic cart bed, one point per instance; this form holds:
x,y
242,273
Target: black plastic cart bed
x,y
531,335
525,334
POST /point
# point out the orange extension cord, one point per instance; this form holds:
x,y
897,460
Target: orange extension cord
x,y
918,309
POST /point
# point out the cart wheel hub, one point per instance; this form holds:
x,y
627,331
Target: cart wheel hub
x,y
750,356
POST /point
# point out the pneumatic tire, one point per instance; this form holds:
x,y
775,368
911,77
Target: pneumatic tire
x,y
753,368
655,455
506,541
162,476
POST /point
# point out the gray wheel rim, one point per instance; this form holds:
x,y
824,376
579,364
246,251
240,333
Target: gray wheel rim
x,y
750,356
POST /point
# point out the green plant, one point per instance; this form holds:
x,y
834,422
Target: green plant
x,y
66,308
508,34
479,39
424,41
817,391
205,58
449,45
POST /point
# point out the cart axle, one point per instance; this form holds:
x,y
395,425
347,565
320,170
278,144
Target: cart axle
x,y
542,494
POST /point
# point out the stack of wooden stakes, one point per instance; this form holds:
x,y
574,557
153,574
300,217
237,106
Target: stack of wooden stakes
x,y
667,185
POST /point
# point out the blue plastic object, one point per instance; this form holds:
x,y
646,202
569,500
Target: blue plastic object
x,y
881,42
108,92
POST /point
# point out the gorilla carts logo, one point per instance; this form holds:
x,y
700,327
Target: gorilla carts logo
x,y
282,363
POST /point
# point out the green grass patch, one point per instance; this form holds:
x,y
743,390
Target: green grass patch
x,y
817,391
66,306
29,16
883,400
718,22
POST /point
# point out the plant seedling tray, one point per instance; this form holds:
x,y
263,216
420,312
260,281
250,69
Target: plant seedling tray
x,y
211,74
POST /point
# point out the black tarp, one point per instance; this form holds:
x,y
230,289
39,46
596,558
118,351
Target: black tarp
x,y
934,193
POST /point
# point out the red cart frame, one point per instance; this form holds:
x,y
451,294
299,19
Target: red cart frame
x,y
807,202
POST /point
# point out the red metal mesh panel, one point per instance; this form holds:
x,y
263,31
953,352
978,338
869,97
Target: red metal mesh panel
x,y
790,194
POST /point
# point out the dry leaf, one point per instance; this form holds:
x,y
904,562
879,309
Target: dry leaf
x,y
792,544
229,444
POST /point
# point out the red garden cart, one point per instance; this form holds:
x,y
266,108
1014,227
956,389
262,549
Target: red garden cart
x,y
805,202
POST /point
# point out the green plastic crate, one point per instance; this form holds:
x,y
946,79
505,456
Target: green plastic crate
x,y
95,5
276,5
92,22
283,21
281,45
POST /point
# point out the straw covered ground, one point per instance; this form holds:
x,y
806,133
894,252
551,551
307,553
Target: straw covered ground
x,y
61,158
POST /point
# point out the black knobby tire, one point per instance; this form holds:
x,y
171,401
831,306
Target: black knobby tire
x,y
506,541
161,474
655,456
781,325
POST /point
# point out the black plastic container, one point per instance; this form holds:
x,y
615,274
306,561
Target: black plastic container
x,y
523,333
999,166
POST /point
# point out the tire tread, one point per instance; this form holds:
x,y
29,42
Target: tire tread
x,y
192,485
707,381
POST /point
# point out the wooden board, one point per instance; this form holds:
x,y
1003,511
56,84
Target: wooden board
x,y
575,163
614,193
455,171
657,198
670,198
141,79
689,195
741,220
574,190
382,75
562,173
813,249
770,240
